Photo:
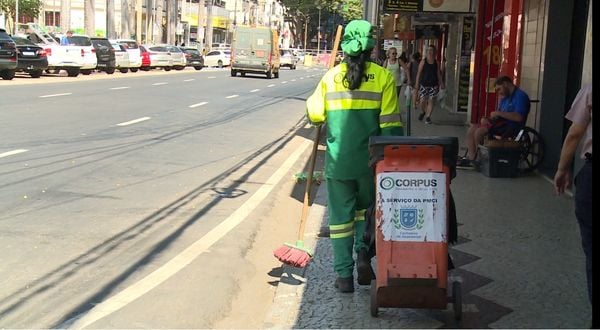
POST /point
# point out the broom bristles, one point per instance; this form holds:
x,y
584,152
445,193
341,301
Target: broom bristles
x,y
292,256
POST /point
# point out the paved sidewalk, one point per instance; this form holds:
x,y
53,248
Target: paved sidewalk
x,y
519,258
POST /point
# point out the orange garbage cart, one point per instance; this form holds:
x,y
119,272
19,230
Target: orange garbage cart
x,y
412,177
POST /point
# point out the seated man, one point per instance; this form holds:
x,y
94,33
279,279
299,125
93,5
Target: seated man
x,y
504,123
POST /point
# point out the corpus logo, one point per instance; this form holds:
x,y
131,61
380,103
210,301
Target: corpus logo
x,y
387,183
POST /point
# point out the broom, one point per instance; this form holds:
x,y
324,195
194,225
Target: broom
x,y
296,254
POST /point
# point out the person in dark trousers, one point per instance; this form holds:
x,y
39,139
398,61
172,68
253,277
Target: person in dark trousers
x,y
580,115
429,82
357,99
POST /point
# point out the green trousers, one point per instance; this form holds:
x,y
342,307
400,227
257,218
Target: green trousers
x,y
348,201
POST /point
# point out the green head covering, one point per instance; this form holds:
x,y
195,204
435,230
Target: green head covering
x,y
357,37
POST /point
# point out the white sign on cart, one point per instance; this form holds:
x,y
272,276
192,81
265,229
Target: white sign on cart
x,y
412,206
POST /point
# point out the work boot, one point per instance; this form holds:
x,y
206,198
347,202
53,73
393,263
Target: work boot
x,y
345,284
364,269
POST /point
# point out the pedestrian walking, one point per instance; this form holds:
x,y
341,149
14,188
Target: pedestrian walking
x,y
429,82
357,99
580,115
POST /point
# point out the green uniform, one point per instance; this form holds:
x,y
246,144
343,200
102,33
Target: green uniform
x,y
352,116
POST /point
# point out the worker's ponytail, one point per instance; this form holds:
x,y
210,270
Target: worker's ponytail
x,y
356,69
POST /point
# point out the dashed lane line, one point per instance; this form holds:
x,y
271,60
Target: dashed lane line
x,y
117,88
254,90
13,152
135,121
158,84
55,95
271,85
188,80
231,96
198,104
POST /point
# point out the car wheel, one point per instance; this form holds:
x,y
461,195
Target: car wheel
x,y
35,73
124,70
7,74
198,67
110,70
133,69
233,73
269,74
56,71
145,68
167,68
293,67
243,74
276,74
73,72
220,64
86,72
179,68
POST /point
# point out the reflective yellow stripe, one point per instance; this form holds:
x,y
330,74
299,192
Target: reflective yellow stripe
x,y
360,215
396,124
354,95
351,104
391,118
341,231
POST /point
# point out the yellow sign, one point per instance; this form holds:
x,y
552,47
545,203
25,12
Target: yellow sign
x,y
217,21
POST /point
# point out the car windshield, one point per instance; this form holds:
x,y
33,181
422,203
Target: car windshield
x,y
192,51
174,49
23,42
4,35
158,49
98,43
227,53
79,41
118,47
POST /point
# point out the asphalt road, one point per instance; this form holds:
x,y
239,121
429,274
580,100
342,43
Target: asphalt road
x,y
118,194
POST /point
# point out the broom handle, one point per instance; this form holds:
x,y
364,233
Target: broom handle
x,y
313,156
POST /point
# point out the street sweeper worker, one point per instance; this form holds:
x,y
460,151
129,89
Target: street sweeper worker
x,y
357,99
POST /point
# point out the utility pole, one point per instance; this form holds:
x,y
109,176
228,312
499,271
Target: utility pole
x,y
209,26
110,19
200,30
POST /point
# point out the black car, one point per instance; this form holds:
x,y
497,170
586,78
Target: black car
x,y
193,57
8,56
31,57
105,54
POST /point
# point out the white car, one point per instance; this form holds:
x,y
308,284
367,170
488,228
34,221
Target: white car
x,y
218,58
160,57
177,56
122,62
89,61
135,56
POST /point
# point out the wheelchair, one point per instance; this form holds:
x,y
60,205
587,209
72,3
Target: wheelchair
x,y
532,149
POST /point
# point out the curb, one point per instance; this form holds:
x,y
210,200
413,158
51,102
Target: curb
x,y
292,283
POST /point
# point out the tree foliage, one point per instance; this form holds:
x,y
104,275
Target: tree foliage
x,y
29,8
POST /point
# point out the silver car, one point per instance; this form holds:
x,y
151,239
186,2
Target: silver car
x,y
121,57
177,56
133,49
160,57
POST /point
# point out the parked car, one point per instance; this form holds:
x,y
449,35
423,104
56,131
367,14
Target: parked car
x,y
220,46
135,56
193,57
177,57
288,58
89,60
105,55
8,56
159,57
218,58
121,57
255,50
145,55
32,58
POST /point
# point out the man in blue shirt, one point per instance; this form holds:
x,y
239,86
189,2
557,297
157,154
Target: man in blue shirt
x,y
504,123
64,40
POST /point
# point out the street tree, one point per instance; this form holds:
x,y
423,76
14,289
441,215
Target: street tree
x,y
88,17
27,8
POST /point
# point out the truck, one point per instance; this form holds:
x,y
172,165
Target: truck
x,y
255,50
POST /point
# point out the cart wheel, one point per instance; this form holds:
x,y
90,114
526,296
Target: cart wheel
x,y
457,300
374,307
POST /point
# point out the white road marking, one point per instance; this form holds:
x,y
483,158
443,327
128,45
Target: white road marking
x,y
54,95
254,90
198,104
189,80
116,88
271,85
231,96
14,152
158,84
188,255
301,78
284,82
211,77
293,80
135,121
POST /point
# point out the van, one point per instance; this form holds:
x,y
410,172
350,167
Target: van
x,y
255,50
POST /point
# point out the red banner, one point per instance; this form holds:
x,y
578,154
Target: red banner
x,y
488,57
